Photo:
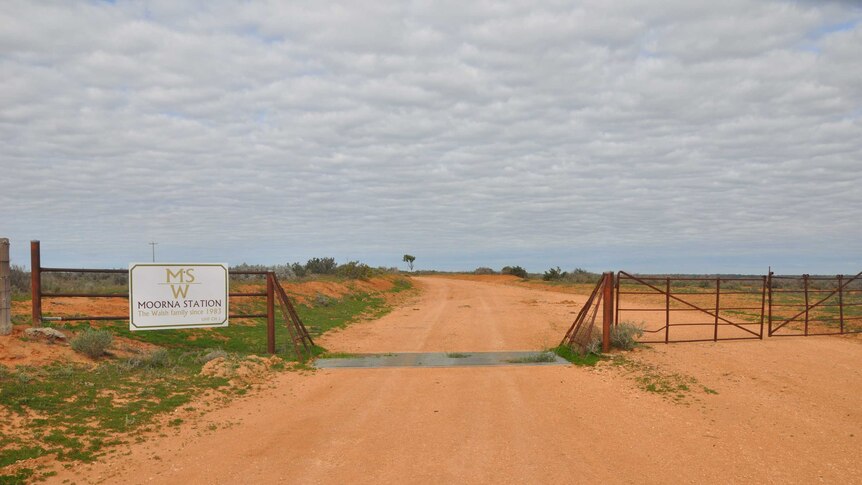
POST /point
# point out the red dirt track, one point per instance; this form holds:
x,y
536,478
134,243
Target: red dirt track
x,y
786,410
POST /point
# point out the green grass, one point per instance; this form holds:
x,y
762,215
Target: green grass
x,y
538,358
75,412
337,355
576,358
672,385
457,355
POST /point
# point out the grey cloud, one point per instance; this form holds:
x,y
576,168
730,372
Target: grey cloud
x,y
522,132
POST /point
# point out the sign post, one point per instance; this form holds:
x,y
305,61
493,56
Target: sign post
x,y
177,295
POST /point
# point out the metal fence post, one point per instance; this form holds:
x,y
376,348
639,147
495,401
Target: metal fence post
x,y
36,282
5,289
841,302
762,305
807,308
617,300
717,307
608,314
270,313
667,311
769,289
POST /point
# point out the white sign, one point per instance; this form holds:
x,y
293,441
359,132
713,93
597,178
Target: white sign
x,y
164,296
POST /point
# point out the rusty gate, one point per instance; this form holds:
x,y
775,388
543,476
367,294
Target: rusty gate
x,y
692,308
276,297
814,305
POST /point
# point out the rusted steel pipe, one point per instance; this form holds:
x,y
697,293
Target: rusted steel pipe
x,y
762,306
805,280
270,314
608,315
840,303
85,270
36,283
667,311
717,307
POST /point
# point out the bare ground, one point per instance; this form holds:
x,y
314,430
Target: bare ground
x,y
786,410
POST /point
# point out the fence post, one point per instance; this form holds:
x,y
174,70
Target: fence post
x,y
841,302
717,307
5,289
762,306
36,282
769,289
805,279
667,311
270,313
608,316
617,300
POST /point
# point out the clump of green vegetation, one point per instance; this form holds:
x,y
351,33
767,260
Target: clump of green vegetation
x,y
321,300
337,355
534,358
554,274
159,358
587,359
82,409
212,355
624,335
355,270
457,355
92,343
515,271
674,386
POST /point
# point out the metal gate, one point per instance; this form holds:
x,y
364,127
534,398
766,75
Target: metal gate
x,y
276,297
692,308
814,305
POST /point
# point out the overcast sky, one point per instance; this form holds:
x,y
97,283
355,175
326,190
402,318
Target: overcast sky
x,y
655,136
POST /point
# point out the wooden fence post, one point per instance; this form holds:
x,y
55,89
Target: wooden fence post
x,y
5,289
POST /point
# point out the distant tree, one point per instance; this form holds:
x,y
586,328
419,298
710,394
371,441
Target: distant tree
x,y
409,260
554,274
321,266
514,270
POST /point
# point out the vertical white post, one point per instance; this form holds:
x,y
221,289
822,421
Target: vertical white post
x,y
5,289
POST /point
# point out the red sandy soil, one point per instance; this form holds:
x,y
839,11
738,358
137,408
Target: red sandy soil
x,y
786,410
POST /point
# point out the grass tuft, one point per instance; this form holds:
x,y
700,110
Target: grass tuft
x,y
92,343
534,359
624,335
588,360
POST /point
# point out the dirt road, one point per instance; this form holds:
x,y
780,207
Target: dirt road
x,y
785,410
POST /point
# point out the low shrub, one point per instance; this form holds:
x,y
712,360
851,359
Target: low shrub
x,y
354,270
159,358
212,355
321,266
554,274
92,343
484,270
514,270
321,300
624,335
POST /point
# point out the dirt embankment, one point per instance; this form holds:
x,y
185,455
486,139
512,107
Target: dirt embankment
x,y
18,349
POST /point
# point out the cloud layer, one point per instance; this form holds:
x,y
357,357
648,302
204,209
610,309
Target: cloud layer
x,y
656,136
